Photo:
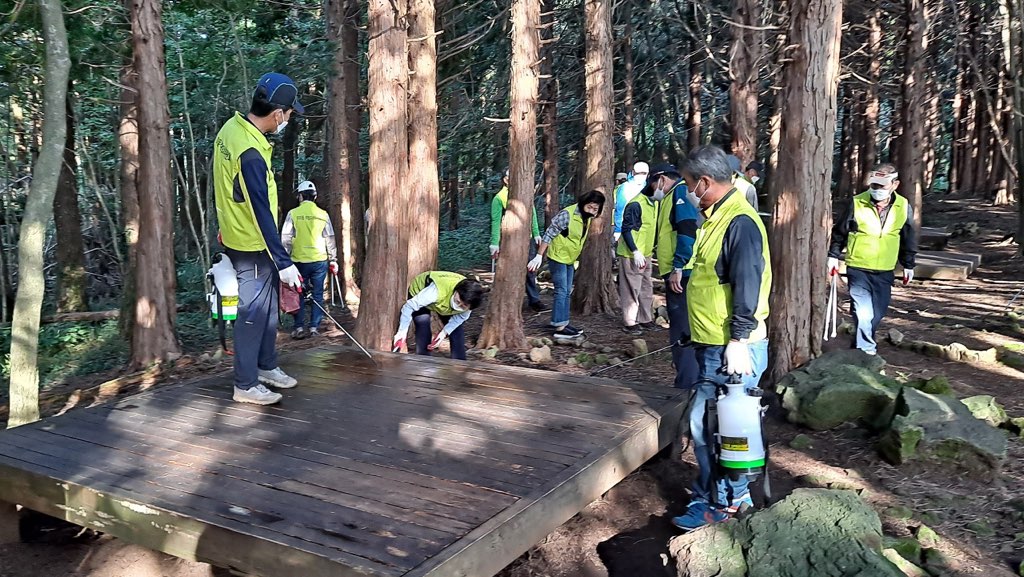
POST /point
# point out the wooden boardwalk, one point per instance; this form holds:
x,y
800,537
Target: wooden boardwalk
x,y
417,467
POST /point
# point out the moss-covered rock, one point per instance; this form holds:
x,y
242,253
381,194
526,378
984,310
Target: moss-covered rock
x,y
986,408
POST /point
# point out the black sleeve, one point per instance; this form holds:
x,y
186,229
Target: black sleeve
x,y
908,241
254,172
841,231
631,220
742,264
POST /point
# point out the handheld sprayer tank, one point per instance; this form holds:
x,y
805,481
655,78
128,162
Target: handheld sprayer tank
x,y
739,431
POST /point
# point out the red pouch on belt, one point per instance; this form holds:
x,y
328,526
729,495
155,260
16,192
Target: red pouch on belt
x,y
290,299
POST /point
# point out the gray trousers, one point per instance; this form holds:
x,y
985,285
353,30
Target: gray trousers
x,y
256,325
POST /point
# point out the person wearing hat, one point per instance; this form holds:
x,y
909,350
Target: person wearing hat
x,y
499,204
877,231
635,248
620,177
674,238
754,172
563,242
308,236
449,295
741,183
626,192
246,200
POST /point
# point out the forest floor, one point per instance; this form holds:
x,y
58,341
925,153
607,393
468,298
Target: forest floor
x,y
626,532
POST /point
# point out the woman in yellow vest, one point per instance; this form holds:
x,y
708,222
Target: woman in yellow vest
x,y
563,242
449,295
308,235
877,231
635,248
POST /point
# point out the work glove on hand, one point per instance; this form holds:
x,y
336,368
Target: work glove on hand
x,y
908,275
534,263
291,277
494,251
332,267
737,359
441,336
397,343
537,240
639,259
833,266
615,236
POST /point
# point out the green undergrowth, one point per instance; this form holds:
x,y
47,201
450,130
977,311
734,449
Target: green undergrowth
x,y
466,248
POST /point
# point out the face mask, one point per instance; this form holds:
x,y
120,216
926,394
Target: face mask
x,y
659,194
754,179
879,194
692,198
457,306
280,127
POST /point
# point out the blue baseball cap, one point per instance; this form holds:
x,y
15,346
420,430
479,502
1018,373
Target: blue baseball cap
x,y
277,89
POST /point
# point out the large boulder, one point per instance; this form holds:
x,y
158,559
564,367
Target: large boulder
x,y
986,408
839,387
941,429
820,532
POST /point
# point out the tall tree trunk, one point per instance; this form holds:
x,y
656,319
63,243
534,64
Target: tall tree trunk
x,y
595,291
154,339
128,143
802,215
849,159
287,199
24,383
744,66
912,139
1016,66
390,221
425,194
549,112
453,203
71,278
628,106
696,88
869,140
503,326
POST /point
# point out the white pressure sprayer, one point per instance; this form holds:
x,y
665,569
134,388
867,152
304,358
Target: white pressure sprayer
x,y
740,442
223,295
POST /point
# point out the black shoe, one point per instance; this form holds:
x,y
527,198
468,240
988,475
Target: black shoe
x,y
578,330
652,326
633,330
299,334
539,307
568,332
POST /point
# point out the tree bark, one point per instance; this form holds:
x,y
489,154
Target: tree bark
x,y
802,214
744,66
628,106
154,339
503,326
869,120
912,140
390,221
24,382
71,278
453,203
595,291
286,198
128,143
696,88
425,194
549,112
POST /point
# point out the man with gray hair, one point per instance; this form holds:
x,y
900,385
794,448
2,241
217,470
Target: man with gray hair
x,y
727,301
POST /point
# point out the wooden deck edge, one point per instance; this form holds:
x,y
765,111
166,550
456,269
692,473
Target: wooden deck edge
x,y
501,540
156,528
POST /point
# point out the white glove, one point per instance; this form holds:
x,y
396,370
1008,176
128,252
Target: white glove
x,y
639,259
494,251
832,265
908,275
291,277
397,343
537,240
615,236
737,359
534,263
441,336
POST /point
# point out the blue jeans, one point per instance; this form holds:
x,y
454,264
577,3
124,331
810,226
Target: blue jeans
x,y
561,277
709,361
313,276
532,290
256,326
683,358
421,326
870,292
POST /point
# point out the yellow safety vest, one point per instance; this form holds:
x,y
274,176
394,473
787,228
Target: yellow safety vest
x,y
238,227
708,300
644,238
666,233
875,245
309,244
567,246
446,283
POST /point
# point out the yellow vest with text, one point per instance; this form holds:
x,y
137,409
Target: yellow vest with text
x,y
666,233
446,283
709,301
238,227
567,246
644,238
875,245
309,244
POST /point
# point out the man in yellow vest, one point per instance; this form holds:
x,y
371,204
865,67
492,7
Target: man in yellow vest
x,y
563,242
727,298
452,297
308,236
635,249
877,231
739,180
499,204
246,198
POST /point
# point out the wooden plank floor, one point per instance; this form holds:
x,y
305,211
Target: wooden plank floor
x,y
419,466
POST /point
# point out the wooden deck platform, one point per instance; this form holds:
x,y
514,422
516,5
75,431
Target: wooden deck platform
x,y
417,467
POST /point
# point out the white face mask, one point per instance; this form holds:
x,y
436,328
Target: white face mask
x,y
879,194
659,194
280,127
692,197
457,306
754,179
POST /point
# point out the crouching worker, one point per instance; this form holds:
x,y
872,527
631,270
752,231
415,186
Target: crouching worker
x,y
452,296
563,242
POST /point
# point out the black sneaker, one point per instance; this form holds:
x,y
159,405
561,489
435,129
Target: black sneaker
x,y
652,326
567,332
633,330
299,334
578,330
539,307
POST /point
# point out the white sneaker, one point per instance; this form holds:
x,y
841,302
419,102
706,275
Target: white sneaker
x,y
277,378
258,395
